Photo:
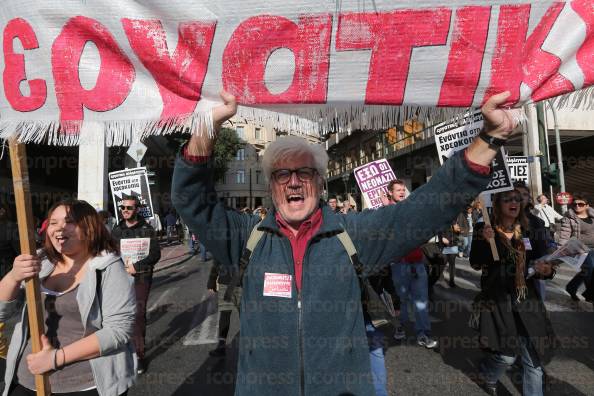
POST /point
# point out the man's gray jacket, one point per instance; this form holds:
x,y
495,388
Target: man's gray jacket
x,y
314,342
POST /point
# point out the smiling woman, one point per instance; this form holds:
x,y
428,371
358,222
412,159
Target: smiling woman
x,y
508,312
89,309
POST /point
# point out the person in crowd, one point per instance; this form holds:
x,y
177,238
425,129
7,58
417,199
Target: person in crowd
x,y
411,282
547,214
171,225
435,262
300,278
383,285
193,243
510,316
218,280
476,214
450,239
155,222
88,310
333,204
578,222
466,222
108,219
537,237
262,213
9,250
9,240
346,206
456,241
134,226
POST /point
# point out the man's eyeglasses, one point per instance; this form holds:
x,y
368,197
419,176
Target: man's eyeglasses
x,y
511,199
580,204
304,174
126,207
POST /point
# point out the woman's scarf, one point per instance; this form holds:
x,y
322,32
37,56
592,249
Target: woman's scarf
x,y
516,253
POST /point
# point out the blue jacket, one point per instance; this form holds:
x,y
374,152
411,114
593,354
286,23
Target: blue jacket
x,y
314,343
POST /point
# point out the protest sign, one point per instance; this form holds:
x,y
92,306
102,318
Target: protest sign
x,y
133,250
131,183
149,67
373,178
455,135
518,168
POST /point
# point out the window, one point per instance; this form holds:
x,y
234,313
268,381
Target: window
x,y
240,179
240,132
241,202
258,177
240,155
259,134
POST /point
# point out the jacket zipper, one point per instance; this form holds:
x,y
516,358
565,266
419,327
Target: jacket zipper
x,y
299,322
300,326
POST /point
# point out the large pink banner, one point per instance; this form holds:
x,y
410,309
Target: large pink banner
x,y
143,67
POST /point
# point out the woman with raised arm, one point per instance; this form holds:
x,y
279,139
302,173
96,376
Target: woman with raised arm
x,y
89,307
509,313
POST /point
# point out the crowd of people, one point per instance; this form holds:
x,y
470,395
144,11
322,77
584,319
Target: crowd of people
x,y
308,269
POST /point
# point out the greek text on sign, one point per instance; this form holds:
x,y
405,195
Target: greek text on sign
x,y
457,134
518,168
131,183
277,285
133,250
373,179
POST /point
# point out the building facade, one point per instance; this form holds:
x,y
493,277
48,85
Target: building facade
x,y
410,149
244,185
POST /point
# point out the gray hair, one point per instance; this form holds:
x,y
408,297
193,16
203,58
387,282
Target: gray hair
x,y
287,146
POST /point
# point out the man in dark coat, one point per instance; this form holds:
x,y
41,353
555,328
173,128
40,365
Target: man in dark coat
x,y
302,328
133,225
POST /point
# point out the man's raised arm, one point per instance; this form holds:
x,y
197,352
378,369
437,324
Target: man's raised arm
x,y
223,231
393,231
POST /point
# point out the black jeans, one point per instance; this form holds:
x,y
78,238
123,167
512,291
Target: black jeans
x,y
19,390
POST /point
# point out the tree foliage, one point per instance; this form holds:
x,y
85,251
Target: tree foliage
x,y
225,149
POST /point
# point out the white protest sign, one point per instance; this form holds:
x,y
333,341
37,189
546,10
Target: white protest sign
x,y
373,178
455,135
131,183
518,168
133,250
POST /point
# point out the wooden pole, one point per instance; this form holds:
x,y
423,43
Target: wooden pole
x,y
22,197
487,221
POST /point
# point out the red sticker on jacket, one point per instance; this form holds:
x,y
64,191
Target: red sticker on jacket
x,y
277,285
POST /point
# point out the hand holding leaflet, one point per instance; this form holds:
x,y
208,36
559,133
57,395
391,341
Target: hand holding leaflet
x,y
573,253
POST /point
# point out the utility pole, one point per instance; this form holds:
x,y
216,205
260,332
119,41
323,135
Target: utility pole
x,y
532,150
559,154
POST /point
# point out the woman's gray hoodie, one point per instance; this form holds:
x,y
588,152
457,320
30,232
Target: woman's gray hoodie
x,y
112,321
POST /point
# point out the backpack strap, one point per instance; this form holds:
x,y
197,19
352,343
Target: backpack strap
x,y
380,315
253,240
347,242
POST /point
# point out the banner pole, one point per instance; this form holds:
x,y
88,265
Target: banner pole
x,y
487,221
22,196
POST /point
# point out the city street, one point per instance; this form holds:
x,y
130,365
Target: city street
x,y
183,328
